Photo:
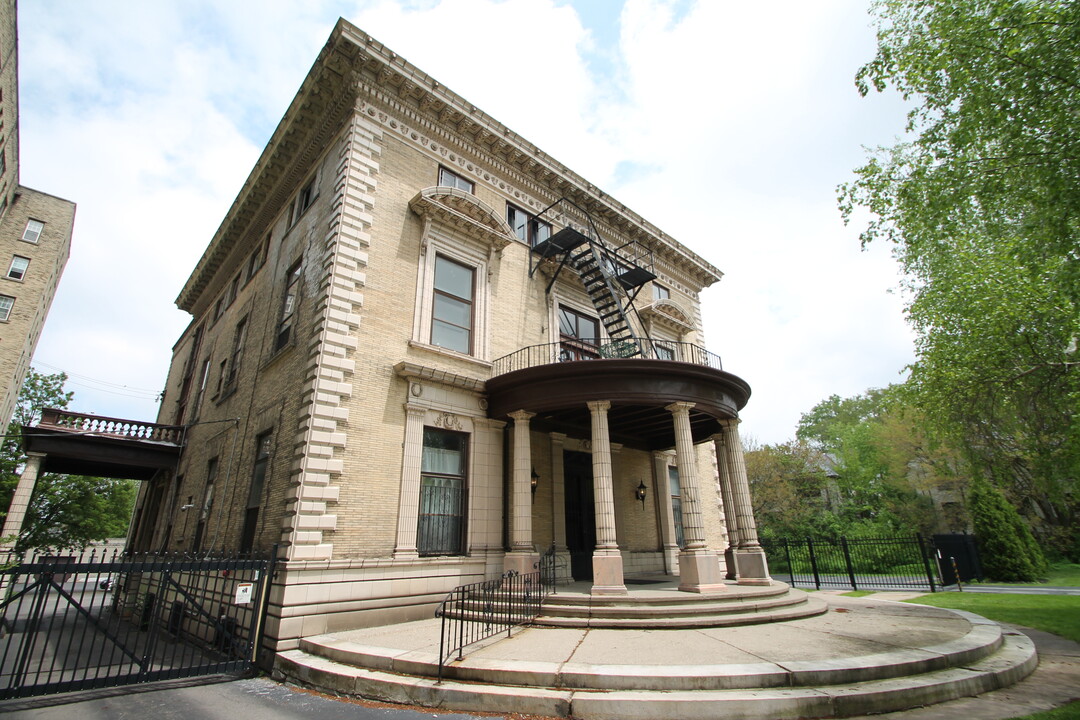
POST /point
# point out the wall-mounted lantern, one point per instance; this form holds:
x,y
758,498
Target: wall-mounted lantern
x,y
640,493
533,481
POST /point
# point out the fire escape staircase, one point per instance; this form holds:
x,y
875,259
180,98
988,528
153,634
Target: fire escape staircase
x,y
613,276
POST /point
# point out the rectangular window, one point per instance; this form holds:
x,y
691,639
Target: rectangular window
x,y
257,259
289,304
234,290
207,503
449,178
676,504
452,313
237,352
18,267
528,229
664,351
659,292
579,335
441,528
33,231
255,492
6,303
306,198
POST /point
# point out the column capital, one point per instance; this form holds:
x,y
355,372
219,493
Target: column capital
x,y
415,410
599,405
521,416
679,407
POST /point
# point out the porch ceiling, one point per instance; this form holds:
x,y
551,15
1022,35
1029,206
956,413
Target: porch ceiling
x,y
637,389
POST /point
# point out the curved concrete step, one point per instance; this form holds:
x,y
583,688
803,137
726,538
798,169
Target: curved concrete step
x,y
643,610
728,617
1012,661
983,639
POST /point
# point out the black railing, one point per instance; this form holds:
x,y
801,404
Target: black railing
x,y
471,613
581,349
879,563
78,623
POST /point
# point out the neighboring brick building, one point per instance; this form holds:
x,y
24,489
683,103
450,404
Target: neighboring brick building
x,y
385,371
35,235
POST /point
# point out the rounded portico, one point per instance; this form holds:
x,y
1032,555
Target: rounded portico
x,y
674,396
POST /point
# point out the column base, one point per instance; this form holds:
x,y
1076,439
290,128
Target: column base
x,y
671,559
752,567
607,571
699,572
729,564
521,562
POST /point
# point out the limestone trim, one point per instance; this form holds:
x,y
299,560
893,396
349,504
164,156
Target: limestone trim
x,y
670,315
422,373
465,212
20,500
409,500
662,487
323,430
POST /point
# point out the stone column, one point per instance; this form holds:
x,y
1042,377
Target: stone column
x,y
662,487
607,560
20,501
727,497
522,556
409,502
699,569
558,505
750,562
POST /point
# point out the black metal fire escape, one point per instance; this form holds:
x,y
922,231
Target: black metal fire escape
x,y
613,276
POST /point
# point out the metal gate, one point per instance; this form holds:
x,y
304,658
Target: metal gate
x,y
881,563
73,624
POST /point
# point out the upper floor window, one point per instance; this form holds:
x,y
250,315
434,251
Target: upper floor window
x,y
659,292
237,352
33,231
528,229
18,267
452,311
6,303
288,306
579,335
255,490
257,259
449,178
306,198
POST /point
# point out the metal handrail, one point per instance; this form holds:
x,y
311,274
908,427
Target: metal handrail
x,y
580,349
474,612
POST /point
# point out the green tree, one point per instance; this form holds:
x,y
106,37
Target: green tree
x,y
66,511
982,206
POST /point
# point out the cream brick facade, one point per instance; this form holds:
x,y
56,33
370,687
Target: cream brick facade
x,y
307,393
30,262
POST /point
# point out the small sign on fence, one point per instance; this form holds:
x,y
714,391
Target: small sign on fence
x,y
243,593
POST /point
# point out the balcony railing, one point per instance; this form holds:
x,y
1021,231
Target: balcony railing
x,y
581,349
112,427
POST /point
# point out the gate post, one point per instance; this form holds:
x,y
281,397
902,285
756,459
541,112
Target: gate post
x,y
813,563
847,561
923,551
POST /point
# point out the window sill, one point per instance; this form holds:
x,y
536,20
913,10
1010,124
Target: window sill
x,y
454,354
281,352
225,394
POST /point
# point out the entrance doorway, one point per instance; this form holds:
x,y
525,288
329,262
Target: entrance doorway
x,y
580,513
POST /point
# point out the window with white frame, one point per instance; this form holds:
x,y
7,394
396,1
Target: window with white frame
x,y
17,271
32,231
6,303
449,178
659,292
452,305
443,466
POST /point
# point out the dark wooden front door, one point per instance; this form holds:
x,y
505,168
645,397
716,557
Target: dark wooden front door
x,y
580,513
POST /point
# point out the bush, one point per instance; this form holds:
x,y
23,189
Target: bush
x,y
1008,550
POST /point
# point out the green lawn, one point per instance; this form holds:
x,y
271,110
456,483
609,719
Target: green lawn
x,y
1061,575
1058,614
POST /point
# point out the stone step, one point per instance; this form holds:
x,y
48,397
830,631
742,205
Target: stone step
x,y
672,610
670,596
1013,660
809,608
981,641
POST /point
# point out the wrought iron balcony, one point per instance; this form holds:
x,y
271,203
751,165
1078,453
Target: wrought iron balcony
x,y
581,349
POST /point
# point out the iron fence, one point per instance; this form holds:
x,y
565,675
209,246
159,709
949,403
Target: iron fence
x,y
474,612
78,623
587,349
879,563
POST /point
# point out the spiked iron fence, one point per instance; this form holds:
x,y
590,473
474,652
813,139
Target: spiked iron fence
x,y
859,563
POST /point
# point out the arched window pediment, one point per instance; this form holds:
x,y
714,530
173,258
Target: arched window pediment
x,y
669,313
465,212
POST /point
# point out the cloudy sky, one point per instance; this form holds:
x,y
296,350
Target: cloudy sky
x,y
727,124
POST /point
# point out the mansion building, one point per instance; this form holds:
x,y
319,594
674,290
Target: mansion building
x,y
423,352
